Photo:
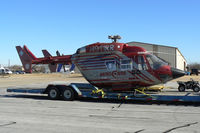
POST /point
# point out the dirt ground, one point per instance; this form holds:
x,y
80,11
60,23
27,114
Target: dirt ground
x,y
24,79
186,78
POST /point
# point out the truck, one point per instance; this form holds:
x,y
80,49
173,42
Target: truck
x,y
194,71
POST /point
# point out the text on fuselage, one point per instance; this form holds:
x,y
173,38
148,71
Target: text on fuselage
x,y
102,48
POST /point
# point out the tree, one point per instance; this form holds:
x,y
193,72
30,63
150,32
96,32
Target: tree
x,y
194,66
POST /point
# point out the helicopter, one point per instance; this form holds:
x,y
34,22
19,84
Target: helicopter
x,y
112,66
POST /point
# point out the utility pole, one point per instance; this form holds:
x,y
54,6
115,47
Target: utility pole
x,y
8,62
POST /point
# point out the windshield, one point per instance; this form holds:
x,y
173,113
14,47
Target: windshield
x,y
155,62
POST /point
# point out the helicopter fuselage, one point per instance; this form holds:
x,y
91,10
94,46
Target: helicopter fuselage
x,y
117,66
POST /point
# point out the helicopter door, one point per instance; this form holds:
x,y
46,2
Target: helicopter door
x,y
140,62
142,65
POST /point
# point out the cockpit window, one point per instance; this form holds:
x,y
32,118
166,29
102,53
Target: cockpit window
x,y
155,62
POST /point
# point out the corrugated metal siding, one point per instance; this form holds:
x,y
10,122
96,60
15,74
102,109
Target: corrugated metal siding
x,y
168,54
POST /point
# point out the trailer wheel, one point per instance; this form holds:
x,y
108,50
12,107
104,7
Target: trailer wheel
x,y
53,93
196,88
68,94
181,88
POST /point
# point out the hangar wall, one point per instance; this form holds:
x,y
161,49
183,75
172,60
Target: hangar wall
x,y
169,54
181,62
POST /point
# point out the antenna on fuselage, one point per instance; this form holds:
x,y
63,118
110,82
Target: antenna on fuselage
x,y
114,38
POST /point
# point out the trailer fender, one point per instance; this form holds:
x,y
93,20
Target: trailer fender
x,y
75,88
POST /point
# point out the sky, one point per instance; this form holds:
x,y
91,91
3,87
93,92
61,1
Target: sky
x,y
67,25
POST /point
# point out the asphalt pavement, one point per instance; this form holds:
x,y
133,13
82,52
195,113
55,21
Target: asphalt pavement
x,y
35,113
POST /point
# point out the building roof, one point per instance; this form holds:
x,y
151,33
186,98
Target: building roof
x,y
151,44
156,45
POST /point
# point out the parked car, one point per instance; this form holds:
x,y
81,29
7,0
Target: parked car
x,y
19,72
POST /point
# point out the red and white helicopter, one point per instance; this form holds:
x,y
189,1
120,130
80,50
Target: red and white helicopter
x,y
112,66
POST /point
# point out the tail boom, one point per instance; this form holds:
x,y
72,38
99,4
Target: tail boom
x,y
28,58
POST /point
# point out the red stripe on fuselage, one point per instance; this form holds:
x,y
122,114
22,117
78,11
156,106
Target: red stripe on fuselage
x,y
100,55
148,79
142,76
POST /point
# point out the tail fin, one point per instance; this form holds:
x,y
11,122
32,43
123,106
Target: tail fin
x,y
72,68
52,67
29,52
59,67
58,53
25,59
46,53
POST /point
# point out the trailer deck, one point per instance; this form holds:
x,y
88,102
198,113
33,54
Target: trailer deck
x,y
86,90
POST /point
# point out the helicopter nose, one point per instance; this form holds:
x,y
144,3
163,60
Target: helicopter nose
x,y
176,73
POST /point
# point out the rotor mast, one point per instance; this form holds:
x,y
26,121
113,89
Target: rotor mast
x,y
114,38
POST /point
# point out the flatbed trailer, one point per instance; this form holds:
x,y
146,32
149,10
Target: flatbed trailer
x,y
85,90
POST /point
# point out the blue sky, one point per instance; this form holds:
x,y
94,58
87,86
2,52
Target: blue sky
x,y
66,25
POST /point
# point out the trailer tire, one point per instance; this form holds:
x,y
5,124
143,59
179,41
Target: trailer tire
x,y
196,88
68,94
181,88
53,93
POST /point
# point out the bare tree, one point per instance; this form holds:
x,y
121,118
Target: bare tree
x,y
194,66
